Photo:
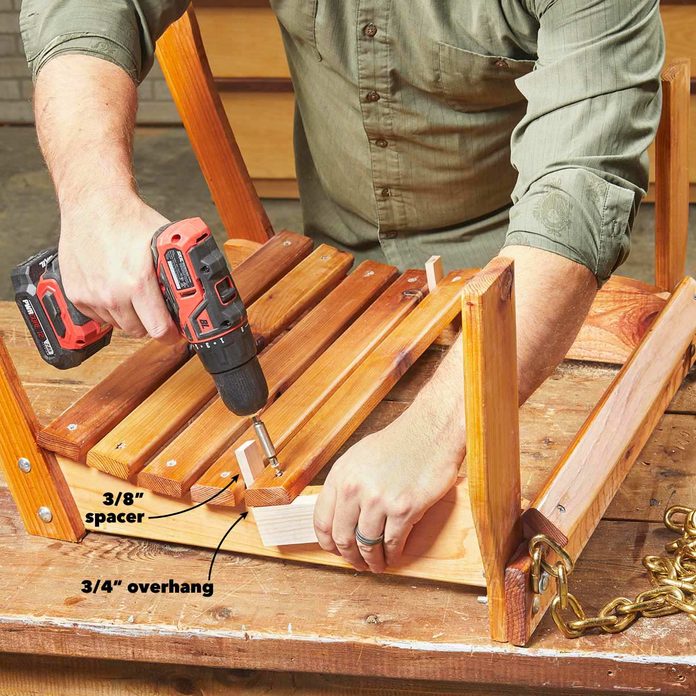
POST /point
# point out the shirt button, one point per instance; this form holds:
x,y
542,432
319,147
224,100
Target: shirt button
x,y
501,63
372,96
381,142
370,30
385,192
389,234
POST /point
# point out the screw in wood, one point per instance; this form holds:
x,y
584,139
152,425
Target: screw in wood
x,y
171,462
24,465
45,514
72,427
287,243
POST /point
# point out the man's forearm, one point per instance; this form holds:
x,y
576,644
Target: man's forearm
x,y
85,114
552,298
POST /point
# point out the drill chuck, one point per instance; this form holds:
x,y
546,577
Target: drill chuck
x,y
243,389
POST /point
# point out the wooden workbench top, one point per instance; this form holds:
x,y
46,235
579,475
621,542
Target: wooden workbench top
x,y
274,615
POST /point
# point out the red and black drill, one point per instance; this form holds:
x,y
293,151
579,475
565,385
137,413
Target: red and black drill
x,y
199,293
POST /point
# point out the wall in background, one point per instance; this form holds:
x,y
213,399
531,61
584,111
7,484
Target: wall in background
x,y
16,88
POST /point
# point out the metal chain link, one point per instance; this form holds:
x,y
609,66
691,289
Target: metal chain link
x,y
673,579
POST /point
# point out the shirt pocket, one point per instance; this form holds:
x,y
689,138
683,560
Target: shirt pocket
x,y
299,19
471,81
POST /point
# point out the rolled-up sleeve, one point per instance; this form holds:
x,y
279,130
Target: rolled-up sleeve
x,y
123,32
593,108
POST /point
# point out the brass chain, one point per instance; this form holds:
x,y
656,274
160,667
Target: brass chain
x,y
673,579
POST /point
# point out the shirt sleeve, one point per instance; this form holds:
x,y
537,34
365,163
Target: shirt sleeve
x,y
593,109
123,32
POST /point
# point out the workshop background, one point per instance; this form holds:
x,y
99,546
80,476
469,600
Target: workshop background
x,y
247,59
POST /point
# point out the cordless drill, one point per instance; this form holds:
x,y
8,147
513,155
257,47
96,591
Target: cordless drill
x,y
200,296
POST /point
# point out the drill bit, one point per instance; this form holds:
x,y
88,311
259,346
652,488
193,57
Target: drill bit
x,y
266,444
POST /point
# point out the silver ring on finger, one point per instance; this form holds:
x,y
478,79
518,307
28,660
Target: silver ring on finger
x,y
366,541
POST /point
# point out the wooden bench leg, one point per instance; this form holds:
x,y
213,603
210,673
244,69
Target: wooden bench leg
x,y
33,476
672,177
492,425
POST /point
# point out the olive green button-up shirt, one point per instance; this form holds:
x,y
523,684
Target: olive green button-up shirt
x,y
440,125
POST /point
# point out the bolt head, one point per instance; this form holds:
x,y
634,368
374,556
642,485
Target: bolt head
x,y
536,604
24,465
45,514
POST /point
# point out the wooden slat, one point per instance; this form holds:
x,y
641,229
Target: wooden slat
x,y
621,313
89,419
126,449
588,475
672,177
492,425
184,459
43,484
182,59
351,403
296,406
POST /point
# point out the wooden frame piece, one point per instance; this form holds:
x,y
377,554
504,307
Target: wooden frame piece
x,y
672,176
492,420
34,478
183,61
589,474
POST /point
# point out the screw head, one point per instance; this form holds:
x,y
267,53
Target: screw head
x,y
326,257
287,243
24,465
72,427
225,474
45,514
120,445
171,462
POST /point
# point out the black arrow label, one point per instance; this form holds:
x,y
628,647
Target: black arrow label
x,y
212,497
234,524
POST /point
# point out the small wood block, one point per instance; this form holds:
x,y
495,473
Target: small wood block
x,y
321,437
434,272
285,525
183,460
40,482
126,449
250,460
298,404
87,421
492,425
